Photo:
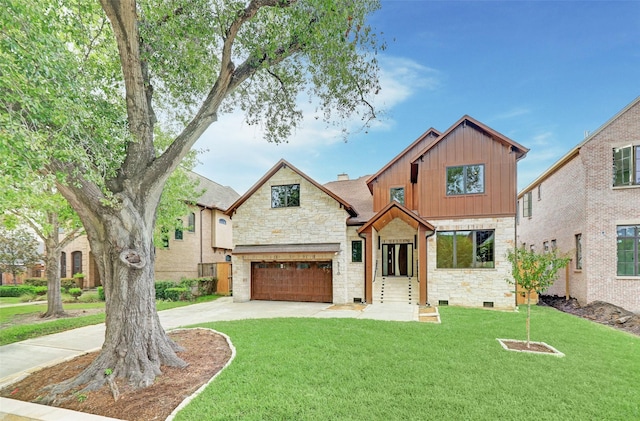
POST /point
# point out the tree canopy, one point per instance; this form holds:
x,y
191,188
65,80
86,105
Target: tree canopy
x,y
88,91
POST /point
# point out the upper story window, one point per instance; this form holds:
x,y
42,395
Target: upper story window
x,y
285,196
192,222
397,194
527,205
626,166
465,179
628,240
465,249
222,221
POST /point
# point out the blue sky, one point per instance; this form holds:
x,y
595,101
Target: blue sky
x,y
541,73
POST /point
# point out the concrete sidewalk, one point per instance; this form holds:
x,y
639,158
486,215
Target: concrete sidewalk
x,y
19,359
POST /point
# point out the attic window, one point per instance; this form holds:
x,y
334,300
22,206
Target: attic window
x,y
285,196
222,221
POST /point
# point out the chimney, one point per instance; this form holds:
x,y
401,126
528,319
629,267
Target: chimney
x,y
343,177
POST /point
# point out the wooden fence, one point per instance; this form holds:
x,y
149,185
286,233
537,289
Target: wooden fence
x,y
222,271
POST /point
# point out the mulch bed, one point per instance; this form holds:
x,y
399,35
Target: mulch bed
x,y
206,352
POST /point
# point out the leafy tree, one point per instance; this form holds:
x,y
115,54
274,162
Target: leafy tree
x,y
32,200
534,272
84,90
18,251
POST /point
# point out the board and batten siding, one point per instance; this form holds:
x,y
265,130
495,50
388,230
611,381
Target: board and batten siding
x,y
466,145
398,175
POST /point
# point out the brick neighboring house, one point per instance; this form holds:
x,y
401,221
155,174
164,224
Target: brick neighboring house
x,y
587,205
436,220
206,238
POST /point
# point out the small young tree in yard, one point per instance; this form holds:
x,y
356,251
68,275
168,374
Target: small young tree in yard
x,y
534,272
18,251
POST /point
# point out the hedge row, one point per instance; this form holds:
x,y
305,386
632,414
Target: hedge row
x,y
18,290
179,291
165,290
65,283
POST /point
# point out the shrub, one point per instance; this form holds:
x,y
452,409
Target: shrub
x,y
16,290
206,286
177,294
40,290
27,298
67,283
36,282
161,287
89,297
101,293
75,292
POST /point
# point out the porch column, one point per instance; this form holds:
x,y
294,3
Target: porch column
x,y
368,261
422,264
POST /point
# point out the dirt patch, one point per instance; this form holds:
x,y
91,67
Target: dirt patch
x,y
535,347
597,311
206,352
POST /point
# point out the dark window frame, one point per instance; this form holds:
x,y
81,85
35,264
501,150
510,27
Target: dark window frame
x,y
478,256
285,196
393,195
578,251
626,166
454,189
178,232
356,251
191,226
628,236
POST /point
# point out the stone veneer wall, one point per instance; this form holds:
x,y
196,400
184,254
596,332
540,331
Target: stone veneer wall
x,y
318,219
397,230
472,287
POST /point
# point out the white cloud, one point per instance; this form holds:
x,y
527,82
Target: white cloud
x,y
238,155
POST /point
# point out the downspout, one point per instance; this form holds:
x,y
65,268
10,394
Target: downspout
x,y
364,251
426,278
201,209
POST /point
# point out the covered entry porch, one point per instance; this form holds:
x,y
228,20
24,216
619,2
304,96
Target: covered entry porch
x,y
395,254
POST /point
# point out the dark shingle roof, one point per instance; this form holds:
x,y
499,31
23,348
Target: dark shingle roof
x,y
214,195
357,194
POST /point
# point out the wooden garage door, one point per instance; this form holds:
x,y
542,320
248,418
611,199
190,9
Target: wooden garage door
x,y
292,281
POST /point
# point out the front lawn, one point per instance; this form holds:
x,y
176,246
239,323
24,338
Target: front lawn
x,y
341,369
14,331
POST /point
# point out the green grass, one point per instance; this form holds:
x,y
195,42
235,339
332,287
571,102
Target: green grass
x,y
352,369
18,333
11,300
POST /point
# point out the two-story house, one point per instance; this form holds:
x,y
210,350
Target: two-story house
x,y
206,238
587,205
437,219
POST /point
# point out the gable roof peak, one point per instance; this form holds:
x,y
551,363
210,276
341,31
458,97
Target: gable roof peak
x,y
282,163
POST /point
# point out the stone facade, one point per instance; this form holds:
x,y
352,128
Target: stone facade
x,y
577,197
318,219
473,287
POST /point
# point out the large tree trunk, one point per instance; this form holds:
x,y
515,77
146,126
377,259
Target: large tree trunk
x,y
136,345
